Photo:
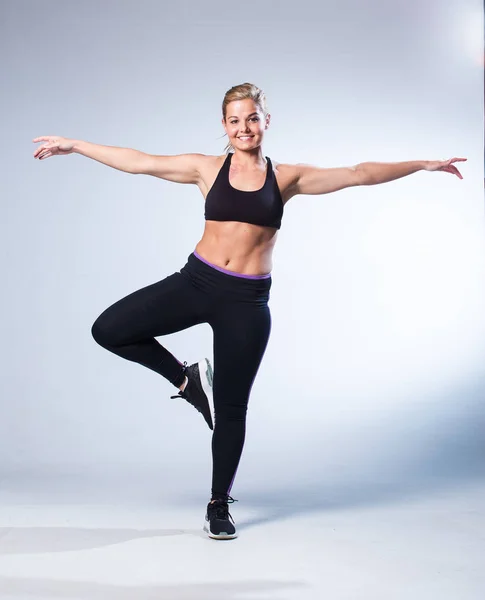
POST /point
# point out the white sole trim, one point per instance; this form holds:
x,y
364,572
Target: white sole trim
x,y
223,536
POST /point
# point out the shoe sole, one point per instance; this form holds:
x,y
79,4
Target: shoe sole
x,y
222,536
206,374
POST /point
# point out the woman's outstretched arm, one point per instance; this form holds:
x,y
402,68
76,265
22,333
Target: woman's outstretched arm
x,y
316,180
182,168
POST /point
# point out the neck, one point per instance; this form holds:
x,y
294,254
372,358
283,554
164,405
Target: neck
x,y
249,159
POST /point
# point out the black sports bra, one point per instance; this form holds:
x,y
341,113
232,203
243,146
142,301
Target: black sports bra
x,y
260,207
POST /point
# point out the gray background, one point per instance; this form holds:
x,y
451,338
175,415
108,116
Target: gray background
x,y
373,379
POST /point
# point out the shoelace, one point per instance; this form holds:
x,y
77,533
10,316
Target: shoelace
x,y
185,397
182,394
220,508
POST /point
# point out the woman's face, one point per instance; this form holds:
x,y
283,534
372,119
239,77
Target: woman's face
x,y
245,124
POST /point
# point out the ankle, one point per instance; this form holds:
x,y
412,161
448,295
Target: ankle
x,y
184,385
219,498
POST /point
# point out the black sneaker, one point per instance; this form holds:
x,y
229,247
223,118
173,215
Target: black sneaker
x,y
217,524
198,390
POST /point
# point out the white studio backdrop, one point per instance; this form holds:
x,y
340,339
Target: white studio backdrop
x,y
374,370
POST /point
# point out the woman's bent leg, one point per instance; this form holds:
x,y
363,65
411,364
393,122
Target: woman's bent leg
x,y
241,334
128,327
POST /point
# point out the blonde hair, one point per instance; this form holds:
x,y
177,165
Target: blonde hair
x,y
243,91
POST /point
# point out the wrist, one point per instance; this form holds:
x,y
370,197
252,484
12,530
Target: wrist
x,y
78,146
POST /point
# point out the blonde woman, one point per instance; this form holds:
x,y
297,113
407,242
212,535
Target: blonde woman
x,y
227,279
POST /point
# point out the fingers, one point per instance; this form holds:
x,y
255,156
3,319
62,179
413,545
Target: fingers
x,y
454,171
451,169
41,151
46,138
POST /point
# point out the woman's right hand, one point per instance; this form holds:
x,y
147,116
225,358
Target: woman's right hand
x,y
54,145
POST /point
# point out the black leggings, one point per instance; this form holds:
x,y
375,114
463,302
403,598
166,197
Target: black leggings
x,y
235,306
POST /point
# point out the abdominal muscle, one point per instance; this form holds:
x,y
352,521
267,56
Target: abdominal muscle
x,y
240,247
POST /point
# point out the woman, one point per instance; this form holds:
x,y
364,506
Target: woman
x,y
227,279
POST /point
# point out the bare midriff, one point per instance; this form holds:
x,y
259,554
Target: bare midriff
x,y
240,247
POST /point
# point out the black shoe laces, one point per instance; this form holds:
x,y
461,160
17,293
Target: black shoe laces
x,y
220,509
183,394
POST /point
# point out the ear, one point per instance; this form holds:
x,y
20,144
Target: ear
x,y
268,119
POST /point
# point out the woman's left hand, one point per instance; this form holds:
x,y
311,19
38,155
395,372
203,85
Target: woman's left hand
x,y
445,165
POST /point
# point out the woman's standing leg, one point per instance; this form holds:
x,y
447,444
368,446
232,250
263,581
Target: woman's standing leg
x,y
241,333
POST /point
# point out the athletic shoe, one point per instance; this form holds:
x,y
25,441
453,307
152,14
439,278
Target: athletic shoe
x,y
217,524
198,390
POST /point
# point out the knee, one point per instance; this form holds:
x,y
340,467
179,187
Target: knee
x,y
101,333
231,412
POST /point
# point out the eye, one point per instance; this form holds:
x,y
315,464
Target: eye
x,y
251,119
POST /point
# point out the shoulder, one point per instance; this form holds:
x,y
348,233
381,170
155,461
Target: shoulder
x,y
287,178
209,167
209,162
284,169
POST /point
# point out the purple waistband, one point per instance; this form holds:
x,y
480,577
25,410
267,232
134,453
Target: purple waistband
x,y
197,255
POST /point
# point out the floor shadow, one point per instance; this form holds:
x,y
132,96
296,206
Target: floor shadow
x,y
31,540
286,503
51,588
